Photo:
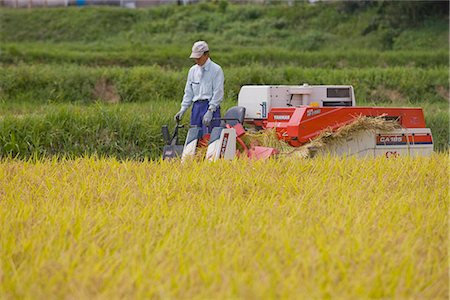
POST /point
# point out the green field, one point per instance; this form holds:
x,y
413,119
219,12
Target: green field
x,y
103,80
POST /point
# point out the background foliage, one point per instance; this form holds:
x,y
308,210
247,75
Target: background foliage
x,y
73,63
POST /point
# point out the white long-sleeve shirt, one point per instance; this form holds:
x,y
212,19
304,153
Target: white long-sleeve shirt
x,y
204,83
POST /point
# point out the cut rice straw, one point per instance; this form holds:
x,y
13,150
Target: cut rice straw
x,y
327,137
269,138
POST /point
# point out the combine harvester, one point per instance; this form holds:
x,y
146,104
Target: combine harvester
x,y
313,119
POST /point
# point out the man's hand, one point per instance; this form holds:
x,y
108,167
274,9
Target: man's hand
x,y
207,118
179,114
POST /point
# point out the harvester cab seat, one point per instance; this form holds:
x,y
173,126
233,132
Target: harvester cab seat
x,y
233,116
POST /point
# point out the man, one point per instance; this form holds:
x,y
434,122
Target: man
x,y
204,88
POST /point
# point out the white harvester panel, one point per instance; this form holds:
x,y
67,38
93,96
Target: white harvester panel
x,y
259,99
407,141
222,144
400,142
190,145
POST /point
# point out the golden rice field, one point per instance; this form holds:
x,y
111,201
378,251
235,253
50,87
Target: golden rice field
x,y
324,228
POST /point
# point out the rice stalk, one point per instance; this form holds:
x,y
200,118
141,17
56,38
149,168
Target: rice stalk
x,y
269,138
329,137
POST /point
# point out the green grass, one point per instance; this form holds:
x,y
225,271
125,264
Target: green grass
x,y
55,80
73,83
51,109
125,131
174,56
306,27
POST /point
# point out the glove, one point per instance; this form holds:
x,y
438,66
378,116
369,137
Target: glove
x,y
179,114
207,118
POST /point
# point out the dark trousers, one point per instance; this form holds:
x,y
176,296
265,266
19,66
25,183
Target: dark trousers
x,y
199,109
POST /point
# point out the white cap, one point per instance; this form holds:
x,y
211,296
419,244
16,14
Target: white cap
x,y
198,49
